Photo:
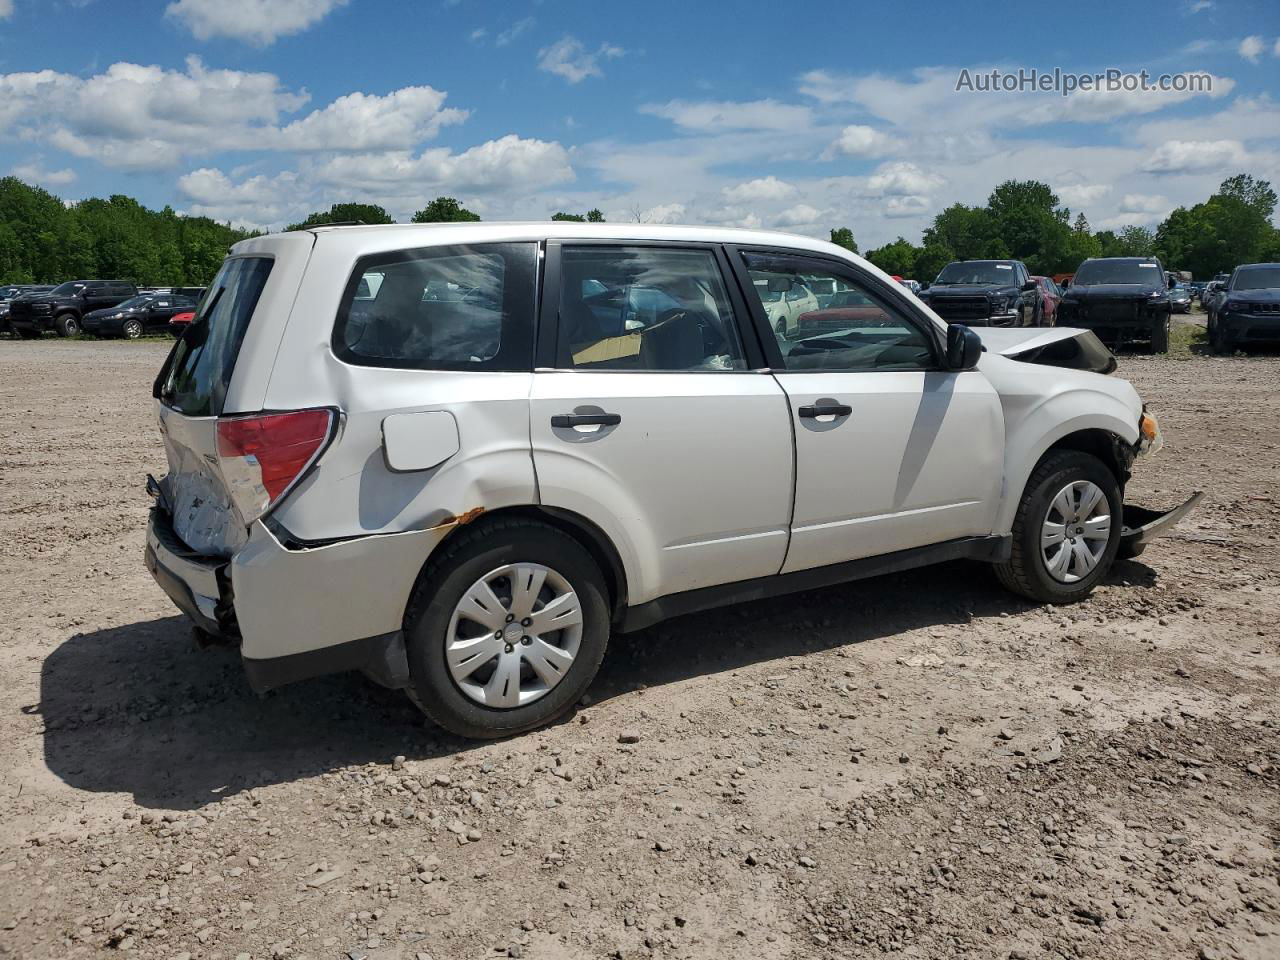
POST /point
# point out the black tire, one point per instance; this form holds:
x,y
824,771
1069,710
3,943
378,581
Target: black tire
x,y
1160,335
1130,551
131,329
26,333
67,325
1218,341
1025,572
463,561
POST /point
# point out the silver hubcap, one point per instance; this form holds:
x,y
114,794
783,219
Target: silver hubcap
x,y
1076,531
513,635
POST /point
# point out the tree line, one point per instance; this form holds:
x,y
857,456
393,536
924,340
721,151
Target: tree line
x,y
1023,220
43,240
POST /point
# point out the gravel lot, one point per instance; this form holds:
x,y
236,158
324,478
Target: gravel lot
x,y
920,764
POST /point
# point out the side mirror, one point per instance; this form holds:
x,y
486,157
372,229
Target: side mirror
x,y
1028,286
963,347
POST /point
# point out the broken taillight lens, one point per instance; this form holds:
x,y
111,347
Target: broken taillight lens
x,y
262,456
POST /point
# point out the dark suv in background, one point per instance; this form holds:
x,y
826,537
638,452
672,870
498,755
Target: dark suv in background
x,y
1121,299
1248,308
985,293
63,308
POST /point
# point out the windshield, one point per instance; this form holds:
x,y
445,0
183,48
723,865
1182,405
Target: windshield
x,y
1262,279
1094,272
976,271
9,292
67,289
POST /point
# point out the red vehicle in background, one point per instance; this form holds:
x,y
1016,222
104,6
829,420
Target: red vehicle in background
x,y
1050,297
180,321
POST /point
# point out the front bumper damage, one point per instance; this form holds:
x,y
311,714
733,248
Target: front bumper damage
x,y
1141,525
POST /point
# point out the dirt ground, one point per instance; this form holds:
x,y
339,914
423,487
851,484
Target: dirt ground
x,y
919,765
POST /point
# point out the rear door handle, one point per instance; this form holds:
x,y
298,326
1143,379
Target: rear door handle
x,y
586,419
826,410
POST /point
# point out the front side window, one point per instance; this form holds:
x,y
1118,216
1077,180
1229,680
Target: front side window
x,y
859,329
644,308
440,308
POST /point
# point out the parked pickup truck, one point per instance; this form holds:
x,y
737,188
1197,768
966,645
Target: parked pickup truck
x,y
62,309
464,483
11,292
985,293
1122,299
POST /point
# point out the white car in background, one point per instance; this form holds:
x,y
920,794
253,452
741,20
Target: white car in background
x,y
785,299
459,457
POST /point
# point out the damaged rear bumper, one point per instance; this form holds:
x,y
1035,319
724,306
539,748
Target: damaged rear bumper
x,y
1142,525
298,613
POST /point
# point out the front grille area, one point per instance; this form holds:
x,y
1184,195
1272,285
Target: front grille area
x,y
961,308
1272,309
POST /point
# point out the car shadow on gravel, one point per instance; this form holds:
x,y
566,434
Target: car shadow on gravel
x,y
142,710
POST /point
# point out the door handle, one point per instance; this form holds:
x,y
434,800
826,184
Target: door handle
x,y
826,410
586,419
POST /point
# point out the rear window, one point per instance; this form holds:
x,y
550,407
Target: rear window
x,y
199,369
441,308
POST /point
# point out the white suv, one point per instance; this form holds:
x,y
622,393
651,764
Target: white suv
x,y
457,457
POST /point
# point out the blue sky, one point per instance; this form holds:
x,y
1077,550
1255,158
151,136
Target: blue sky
x,y
801,116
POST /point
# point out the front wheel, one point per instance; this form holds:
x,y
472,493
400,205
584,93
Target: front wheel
x,y
506,630
1066,531
67,325
1160,335
132,329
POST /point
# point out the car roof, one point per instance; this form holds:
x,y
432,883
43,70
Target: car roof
x,y
1258,266
393,236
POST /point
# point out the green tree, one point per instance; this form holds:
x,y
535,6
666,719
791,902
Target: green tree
x,y
897,258
445,210
570,217
1135,242
345,213
932,259
969,232
595,216
843,237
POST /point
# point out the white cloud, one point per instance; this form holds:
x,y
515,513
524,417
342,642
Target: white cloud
x,y
259,22
1251,48
359,122
478,34
1144,203
506,164
857,140
802,214
1082,194
6,9
1195,156
764,188
902,178
35,173
1195,6
906,206
513,31
146,117
713,116
568,58
259,200
1275,51
663,213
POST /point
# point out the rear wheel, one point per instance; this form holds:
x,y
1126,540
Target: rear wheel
x,y
67,325
506,630
1066,531
132,329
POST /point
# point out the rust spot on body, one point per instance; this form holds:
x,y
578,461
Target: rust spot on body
x,y
459,521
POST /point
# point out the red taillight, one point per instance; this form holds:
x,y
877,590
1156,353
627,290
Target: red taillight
x,y
260,456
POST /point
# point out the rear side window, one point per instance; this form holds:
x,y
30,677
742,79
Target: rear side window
x,y
199,370
441,308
